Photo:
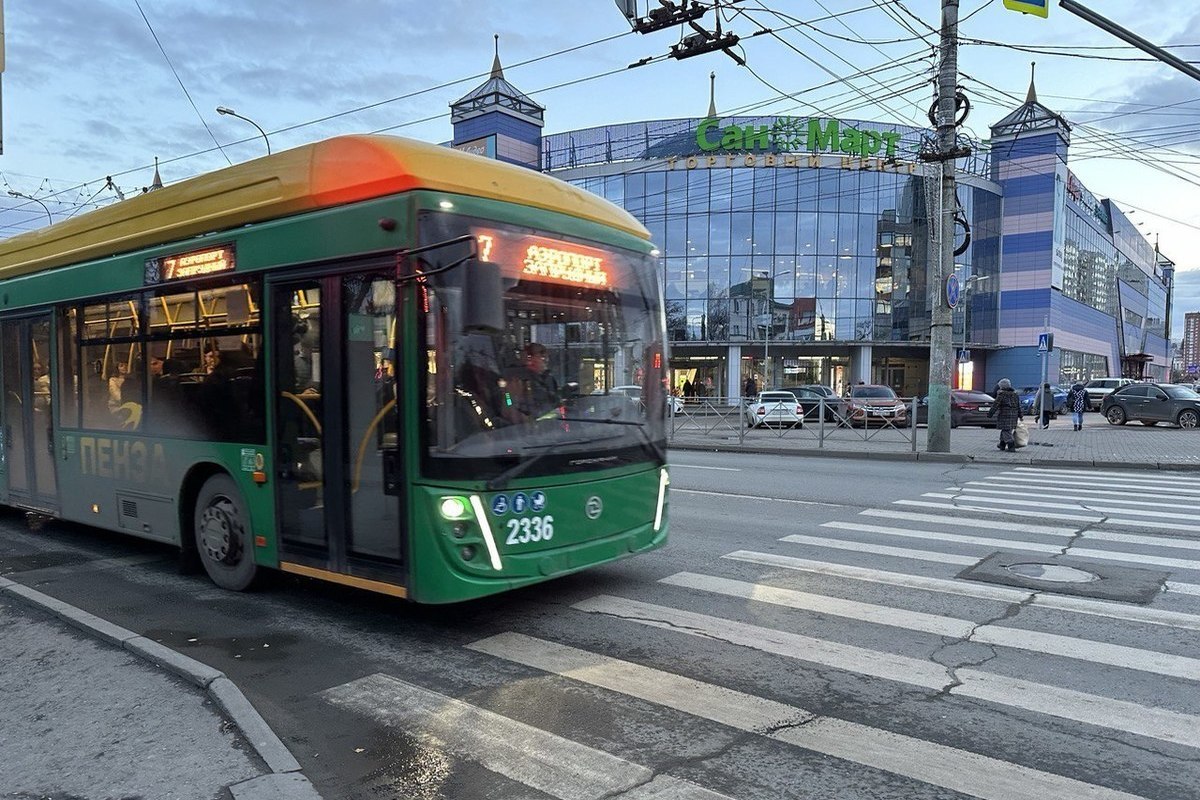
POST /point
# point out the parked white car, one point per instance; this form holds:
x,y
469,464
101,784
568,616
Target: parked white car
x,y
635,392
774,408
1099,388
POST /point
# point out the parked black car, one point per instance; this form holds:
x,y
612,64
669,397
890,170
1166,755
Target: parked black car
x,y
810,395
1152,403
966,408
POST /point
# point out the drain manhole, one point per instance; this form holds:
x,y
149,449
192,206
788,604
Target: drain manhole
x,y
1052,572
1073,576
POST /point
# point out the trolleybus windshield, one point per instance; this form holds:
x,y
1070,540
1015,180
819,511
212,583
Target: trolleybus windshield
x,y
536,396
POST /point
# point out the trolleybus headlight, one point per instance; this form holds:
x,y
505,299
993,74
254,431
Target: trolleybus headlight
x,y
454,508
459,530
467,552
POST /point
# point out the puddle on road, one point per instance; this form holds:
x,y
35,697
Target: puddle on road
x,y
275,647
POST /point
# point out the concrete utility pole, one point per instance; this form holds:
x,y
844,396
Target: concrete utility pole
x,y
941,345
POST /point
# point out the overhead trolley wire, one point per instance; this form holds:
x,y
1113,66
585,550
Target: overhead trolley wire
x,y
178,79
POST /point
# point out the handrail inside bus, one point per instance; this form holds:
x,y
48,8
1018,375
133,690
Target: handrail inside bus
x,y
308,412
362,445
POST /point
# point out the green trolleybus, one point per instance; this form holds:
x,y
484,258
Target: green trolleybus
x,y
366,360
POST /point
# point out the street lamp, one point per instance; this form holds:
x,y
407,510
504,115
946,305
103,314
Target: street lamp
x,y
966,290
229,112
23,196
770,318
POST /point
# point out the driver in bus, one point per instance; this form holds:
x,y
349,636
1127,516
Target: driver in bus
x,y
533,390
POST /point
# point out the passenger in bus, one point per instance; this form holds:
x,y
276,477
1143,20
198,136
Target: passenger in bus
x,y
533,390
41,378
116,386
210,361
41,387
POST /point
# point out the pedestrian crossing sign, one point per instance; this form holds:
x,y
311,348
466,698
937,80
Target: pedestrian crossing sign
x,y
1045,342
1039,8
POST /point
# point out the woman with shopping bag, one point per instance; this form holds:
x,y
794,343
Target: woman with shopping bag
x,y
1007,411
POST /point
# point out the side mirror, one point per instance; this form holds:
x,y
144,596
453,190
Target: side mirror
x,y
483,297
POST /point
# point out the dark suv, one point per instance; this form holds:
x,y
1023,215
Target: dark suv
x,y
1152,403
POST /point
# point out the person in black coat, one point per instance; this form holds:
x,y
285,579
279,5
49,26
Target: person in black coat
x,y
1007,411
1043,405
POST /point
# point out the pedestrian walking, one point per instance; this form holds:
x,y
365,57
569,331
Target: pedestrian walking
x,y
1043,406
1077,401
1007,411
751,387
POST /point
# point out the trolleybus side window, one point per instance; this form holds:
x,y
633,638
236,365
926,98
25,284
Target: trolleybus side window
x,y
177,363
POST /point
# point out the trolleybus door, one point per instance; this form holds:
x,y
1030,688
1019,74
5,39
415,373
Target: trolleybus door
x,y
28,423
336,424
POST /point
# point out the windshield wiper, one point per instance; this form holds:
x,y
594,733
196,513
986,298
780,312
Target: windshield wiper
x,y
658,452
501,480
521,467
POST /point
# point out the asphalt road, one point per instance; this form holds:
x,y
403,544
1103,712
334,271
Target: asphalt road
x,y
805,634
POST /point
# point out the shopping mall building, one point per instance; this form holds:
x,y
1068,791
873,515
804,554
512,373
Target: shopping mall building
x,y
797,249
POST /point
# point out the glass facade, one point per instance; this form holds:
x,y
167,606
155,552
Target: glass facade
x,y
1118,274
1089,266
1082,367
806,258
796,254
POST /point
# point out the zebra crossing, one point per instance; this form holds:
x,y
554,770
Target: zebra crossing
x,y
890,674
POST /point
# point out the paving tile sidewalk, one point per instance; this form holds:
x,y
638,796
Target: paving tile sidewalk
x,y
1131,446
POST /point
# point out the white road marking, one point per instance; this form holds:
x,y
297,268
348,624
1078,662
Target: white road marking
x,y
1021,547
987,522
981,591
698,466
1087,502
757,498
540,760
1015,512
1004,544
1105,506
1156,723
1134,538
881,549
1166,476
1145,523
982,541
938,765
995,524
1093,484
822,604
860,660
1073,487
1037,641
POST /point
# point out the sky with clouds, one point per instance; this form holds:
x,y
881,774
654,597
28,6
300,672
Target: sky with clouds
x,y
104,87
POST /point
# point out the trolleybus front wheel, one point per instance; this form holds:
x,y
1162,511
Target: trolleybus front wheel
x,y
223,537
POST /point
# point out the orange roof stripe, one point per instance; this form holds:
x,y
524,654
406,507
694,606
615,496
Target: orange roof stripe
x,y
345,169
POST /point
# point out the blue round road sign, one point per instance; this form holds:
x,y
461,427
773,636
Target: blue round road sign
x,y
953,290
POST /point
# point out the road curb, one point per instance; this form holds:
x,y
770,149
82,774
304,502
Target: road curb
x,y
944,458
220,689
